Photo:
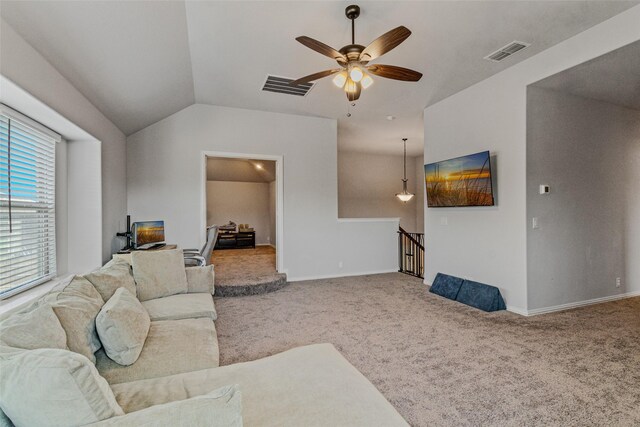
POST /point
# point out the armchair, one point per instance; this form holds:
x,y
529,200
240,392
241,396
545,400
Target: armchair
x,y
194,257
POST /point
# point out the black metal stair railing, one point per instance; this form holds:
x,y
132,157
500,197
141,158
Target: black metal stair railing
x,y
411,253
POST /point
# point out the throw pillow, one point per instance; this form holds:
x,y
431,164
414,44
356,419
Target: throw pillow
x,y
200,279
76,304
54,388
113,275
159,273
123,325
35,327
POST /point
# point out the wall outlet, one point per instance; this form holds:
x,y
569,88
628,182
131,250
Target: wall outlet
x,y
618,282
339,264
534,223
444,220
544,189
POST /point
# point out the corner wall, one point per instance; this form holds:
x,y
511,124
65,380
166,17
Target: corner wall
x,y
165,177
367,184
23,65
588,152
489,244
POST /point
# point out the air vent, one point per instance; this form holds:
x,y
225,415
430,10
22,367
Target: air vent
x,y
506,51
281,85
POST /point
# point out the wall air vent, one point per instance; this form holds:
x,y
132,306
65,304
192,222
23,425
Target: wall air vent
x,y
506,51
281,85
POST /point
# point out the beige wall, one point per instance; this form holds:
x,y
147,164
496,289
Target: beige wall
x,y
420,194
588,232
242,203
367,184
273,191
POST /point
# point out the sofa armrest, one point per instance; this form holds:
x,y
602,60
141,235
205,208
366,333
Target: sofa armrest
x,y
200,279
220,408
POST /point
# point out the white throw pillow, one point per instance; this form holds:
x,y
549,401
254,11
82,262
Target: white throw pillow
x,y
113,275
51,387
159,273
35,327
76,304
123,325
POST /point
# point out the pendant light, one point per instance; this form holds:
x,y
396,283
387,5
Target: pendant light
x,y
404,196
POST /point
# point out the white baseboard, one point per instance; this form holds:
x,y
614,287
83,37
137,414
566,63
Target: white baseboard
x,y
517,310
334,276
577,304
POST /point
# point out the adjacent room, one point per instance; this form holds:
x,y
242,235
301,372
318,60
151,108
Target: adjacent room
x,y
319,213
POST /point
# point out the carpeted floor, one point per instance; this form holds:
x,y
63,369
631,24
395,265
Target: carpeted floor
x,y
442,363
244,266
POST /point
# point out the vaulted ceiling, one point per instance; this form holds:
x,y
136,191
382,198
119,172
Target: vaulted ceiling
x,y
141,61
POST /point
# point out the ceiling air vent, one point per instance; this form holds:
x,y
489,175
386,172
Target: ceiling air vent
x,y
506,51
281,85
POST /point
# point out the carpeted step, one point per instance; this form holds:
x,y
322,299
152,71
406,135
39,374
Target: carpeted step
x,y
257,286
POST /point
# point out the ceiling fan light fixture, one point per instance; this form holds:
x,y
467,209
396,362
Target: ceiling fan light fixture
x,y
356,74
340,79
366,81
350,86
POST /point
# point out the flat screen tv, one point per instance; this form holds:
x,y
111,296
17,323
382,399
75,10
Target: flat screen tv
x,y
463,181
147,233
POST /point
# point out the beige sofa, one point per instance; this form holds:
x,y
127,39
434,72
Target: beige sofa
x,y
57,360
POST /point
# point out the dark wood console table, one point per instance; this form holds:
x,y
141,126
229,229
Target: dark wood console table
x,y
236,240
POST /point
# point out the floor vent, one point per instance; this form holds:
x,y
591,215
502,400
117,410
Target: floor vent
x,y
281,85
506,51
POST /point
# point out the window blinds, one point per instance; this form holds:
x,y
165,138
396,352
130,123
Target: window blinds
x,y
27,206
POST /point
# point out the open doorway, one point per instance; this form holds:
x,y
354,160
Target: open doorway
x,y
242,194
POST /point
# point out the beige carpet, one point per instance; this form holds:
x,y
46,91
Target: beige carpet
x,y
244,266
441,363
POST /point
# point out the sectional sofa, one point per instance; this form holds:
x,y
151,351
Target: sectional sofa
x,y
136,344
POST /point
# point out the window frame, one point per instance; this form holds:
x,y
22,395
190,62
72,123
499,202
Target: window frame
x,y
49,231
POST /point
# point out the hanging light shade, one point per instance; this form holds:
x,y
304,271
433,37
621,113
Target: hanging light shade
x,y
405,195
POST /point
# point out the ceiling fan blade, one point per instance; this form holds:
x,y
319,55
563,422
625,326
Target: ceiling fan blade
x,y
322,48
385,43
314,76
393,72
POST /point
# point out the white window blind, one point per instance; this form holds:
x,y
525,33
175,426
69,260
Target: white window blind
x,y
27,206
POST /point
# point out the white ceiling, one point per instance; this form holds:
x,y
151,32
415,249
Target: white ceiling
x,y
139,62
240,170
613,78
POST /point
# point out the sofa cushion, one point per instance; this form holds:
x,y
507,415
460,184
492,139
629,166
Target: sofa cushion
x,y
307,386
220,408
76,304
113,275
172,347
183,306
36,327
123,325
200,279
54,388
159,273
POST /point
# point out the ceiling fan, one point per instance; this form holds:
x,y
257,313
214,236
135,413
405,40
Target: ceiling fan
x,y
354,74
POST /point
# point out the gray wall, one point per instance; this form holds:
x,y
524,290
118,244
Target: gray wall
x,y
589,225
242,203
367,184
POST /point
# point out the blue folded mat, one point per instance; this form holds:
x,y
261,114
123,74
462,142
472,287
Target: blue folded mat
x,y
478,295
446,286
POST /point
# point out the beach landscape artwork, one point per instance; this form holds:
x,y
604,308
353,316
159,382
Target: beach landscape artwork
x,y
463,181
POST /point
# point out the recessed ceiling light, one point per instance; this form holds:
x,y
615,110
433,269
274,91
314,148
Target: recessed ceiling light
x,y
259,166
391,117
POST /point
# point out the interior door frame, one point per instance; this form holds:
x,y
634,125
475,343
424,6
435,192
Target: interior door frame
x,y
279,196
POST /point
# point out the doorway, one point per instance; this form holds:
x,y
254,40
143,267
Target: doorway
x,y
242,194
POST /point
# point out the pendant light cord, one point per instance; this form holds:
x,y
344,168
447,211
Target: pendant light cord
x,y
405,158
